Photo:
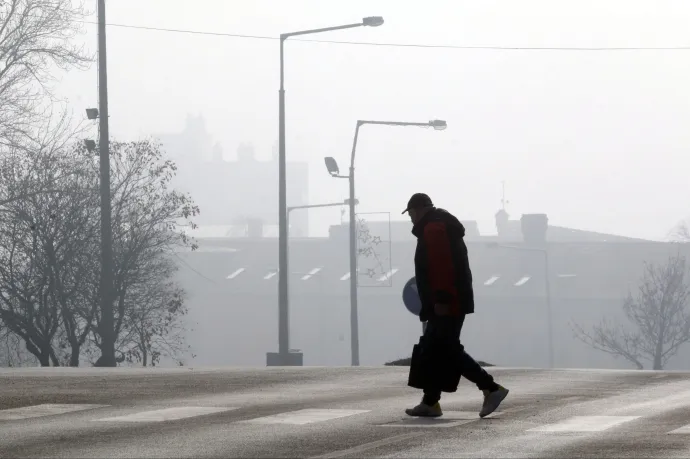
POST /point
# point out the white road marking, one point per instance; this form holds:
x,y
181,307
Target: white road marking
x,y
388,275
369,446
522,281
585,424
449,419
685,430
302,417
345,277
311,273
235,274
167,414
491,280
567,275
271,274
48,409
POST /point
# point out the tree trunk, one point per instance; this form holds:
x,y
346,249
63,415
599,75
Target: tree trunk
x,y
144,358
41,354
659,349
44,358
74,356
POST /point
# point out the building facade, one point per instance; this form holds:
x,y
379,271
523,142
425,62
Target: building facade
x,y
232,287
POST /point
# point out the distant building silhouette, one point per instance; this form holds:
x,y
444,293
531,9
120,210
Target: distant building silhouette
x,y
237,198
590,275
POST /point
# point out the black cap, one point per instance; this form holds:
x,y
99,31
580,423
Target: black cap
x,y
417,201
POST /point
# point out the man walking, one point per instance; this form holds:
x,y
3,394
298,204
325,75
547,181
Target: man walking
x,y
444,283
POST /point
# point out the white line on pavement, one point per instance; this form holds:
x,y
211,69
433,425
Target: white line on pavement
x,y
369,446
167,414
585,424
685,430
302,417
449,419
48,409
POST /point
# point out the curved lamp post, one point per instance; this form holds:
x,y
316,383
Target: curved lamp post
x,y
283,342
333,169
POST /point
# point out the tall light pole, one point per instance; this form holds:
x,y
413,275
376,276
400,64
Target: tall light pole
x,y
332,167
547,286
282,358
107,324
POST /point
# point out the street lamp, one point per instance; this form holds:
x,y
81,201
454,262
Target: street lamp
x,y
92,113
283,343
332,167
294,358
547,284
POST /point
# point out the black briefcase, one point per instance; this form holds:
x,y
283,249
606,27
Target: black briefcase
x,y
435,366
417,376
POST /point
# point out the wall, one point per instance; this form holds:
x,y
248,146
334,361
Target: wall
x,y
239,328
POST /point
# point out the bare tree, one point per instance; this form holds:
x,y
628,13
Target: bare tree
x,y
68,244
154,327
51,201
27,307
49,276
659,318
35,37
148,222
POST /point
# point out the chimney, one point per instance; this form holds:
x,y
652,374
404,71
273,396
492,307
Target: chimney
x,y
502,219
255,228
534,227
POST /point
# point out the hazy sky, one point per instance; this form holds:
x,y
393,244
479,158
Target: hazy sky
x,y
597,140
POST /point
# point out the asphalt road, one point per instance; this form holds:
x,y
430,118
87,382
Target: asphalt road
x,y
337,412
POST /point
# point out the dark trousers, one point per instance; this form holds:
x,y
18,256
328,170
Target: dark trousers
x,y
446,330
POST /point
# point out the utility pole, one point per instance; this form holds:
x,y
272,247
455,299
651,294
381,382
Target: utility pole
x,y
107,325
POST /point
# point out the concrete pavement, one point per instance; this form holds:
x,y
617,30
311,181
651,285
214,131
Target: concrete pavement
x,y
337,412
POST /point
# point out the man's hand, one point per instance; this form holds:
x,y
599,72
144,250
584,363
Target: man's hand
x,y
441,309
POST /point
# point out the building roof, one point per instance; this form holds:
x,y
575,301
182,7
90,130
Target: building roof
x,y
321,266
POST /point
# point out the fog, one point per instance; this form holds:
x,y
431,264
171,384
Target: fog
x,y
574,109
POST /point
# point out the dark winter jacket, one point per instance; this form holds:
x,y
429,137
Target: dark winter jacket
x,y
442,268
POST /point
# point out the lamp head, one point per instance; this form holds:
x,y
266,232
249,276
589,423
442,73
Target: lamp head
x,y
332,166
372,21
92,113
438,125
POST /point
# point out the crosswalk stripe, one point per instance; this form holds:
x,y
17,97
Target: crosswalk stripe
x,y
685,430
167,414
449,419
572,424
46,409
585,424
302,417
